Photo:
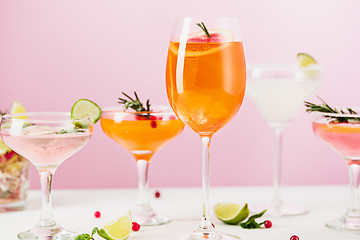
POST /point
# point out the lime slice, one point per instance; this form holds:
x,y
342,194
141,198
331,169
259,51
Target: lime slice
x,y
118,229
305,60
85,108
231,213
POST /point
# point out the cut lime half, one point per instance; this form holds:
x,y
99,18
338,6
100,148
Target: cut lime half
x,y
119,229
85,108
231,213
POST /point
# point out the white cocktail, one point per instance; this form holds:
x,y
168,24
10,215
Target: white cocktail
x,y
279,90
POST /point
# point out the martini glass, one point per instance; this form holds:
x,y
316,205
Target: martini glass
x,y
342,133
205,82
142,134
279,90
46,139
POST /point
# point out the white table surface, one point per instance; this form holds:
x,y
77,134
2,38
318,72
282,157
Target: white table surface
x,y
73,209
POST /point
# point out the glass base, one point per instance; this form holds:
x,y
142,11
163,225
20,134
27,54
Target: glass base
x,y
12,206
279,210
148,217
198,235
344,223
53,232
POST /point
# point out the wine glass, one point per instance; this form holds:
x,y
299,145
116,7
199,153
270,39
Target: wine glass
x,y
205,82
342,133
142,133
46,139
278,90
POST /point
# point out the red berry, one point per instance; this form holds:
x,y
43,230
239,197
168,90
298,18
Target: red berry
x,y
153,124
294,237
97,214
152,117
268,224
135,226
157,194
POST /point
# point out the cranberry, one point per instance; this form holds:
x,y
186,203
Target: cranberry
x,y
140,117
153,124
157,194
294,237
135,226
212,225
97,214
152,117
268,224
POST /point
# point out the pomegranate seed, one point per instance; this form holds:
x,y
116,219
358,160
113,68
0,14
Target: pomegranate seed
x,y
268,224
212,225
157,194
294,237
97,214
135,226
153,124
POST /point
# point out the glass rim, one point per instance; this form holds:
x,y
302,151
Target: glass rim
x,y
159,109
43,114
281,66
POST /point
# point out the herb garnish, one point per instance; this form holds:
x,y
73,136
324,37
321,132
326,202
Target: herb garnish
x,y
202,26
134,104
251,223
101,232
325,108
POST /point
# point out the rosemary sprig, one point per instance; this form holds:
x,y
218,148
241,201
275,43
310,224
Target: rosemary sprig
x,y
325,108
135,104
202,26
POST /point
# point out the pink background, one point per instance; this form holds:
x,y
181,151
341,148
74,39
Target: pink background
x,y
55,52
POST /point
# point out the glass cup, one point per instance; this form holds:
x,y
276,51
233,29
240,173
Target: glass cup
x,y
142,134
342,133
205,83
46,139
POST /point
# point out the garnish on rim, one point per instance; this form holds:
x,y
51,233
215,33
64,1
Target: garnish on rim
x,y
203,27
136,104
325,108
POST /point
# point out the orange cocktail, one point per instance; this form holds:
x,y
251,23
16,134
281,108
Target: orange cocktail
x,y
142,136
142,133
213,84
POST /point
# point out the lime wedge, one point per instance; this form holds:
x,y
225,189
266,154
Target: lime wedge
x,y
17,107
86,108
231,213
305,60
119,229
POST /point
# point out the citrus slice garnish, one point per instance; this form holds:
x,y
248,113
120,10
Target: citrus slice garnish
x,y
118,229
231,213
198,44
85,108
17,107
305,60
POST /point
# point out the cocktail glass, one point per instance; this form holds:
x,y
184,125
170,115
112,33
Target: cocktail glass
x,y
205,82
142,134
46,139
342,133
279,90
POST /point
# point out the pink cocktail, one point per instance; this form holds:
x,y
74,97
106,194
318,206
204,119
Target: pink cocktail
x,y
342,133
46,140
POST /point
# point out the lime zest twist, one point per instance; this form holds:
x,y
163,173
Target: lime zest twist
x,y
203,27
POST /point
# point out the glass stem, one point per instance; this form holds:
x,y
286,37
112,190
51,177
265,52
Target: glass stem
x,y
143,198
205,221
354,203
46,217
277,201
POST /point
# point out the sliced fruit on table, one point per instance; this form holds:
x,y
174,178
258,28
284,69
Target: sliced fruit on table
x,y
231,213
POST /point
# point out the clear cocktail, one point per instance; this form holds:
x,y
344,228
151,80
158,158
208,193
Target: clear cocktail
x,y
142,134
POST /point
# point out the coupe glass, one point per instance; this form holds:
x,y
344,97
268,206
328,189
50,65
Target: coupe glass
x,y
342,133
46,139
205,82
142,134
279,90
